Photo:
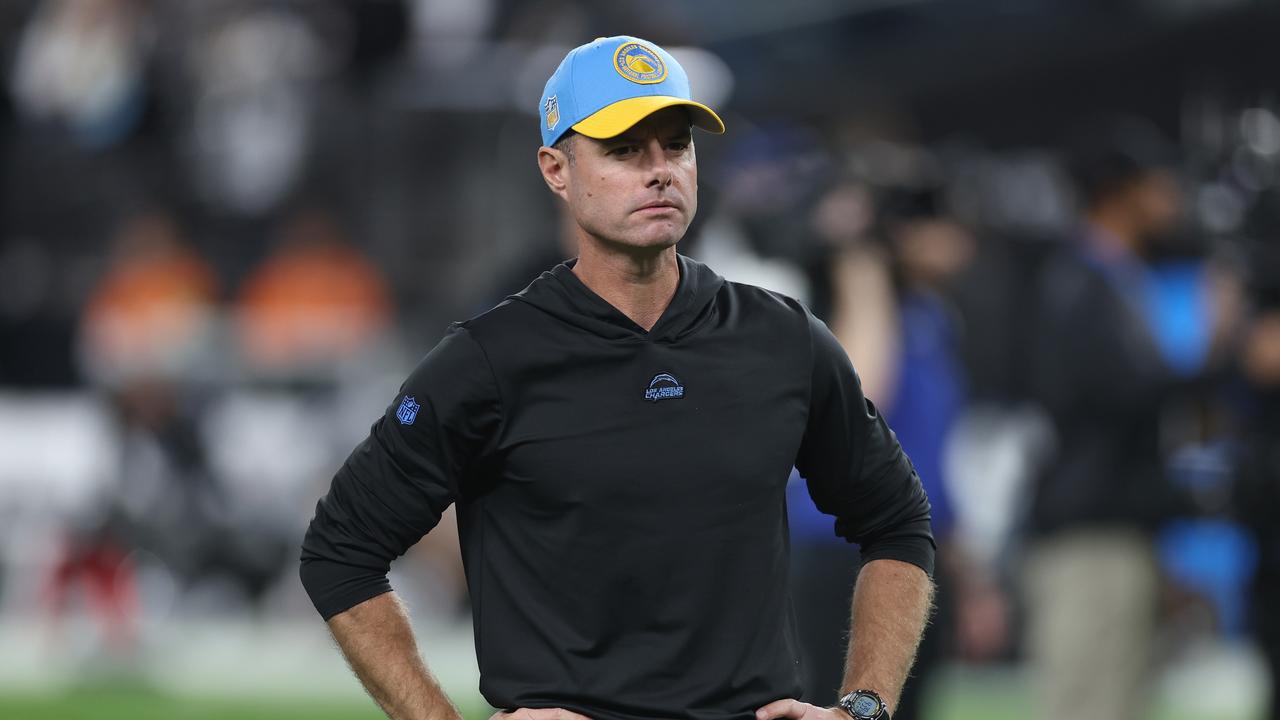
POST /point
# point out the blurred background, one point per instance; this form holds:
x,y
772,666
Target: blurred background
x,y
1047,232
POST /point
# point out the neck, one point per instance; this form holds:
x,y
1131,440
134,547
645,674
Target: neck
x,y
639,283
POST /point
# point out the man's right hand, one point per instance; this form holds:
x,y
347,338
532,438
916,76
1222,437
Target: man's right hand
x,y
538,714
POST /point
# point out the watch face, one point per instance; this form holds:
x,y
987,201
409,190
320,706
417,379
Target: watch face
x,y
865,706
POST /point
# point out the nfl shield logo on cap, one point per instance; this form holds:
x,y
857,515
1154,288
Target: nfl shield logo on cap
x,y
552,110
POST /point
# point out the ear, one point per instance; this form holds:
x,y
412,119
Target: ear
x,y
554,165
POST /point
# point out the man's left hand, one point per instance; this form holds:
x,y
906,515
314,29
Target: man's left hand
x,y
799,711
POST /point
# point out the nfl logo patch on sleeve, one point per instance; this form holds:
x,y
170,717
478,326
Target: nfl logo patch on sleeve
x,y
408,411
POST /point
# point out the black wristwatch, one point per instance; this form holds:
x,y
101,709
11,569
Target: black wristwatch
x,y
864,705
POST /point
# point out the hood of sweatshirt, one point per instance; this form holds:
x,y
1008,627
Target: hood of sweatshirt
x,y
561,294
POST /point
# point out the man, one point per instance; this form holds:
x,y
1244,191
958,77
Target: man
x,y
1257,489
618,438
1091,574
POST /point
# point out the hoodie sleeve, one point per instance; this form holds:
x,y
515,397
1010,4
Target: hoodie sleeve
x,y
854,467
395,485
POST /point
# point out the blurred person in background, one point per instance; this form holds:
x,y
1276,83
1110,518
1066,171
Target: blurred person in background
x,y
144,327
313,304
893,268
824,569
82,65
256,70
1091,573
862,297
93,573
1257,498
752,235
149,344
152,313
925,393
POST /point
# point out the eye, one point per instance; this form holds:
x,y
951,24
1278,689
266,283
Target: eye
x,y
623,150
679,145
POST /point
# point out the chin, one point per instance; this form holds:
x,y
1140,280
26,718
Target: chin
x,y
651,236
654,243
661,236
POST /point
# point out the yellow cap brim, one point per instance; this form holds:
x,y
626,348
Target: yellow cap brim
x,y
617,118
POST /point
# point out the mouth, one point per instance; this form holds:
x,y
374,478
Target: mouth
x,y
657,206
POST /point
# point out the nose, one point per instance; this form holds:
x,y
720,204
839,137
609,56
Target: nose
x,y
659,168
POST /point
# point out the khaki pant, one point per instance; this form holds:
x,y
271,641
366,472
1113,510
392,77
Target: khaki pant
x,y
1091,601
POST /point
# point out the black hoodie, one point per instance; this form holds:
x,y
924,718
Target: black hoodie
x,y
621,493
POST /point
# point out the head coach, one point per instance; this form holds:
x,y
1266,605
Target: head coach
x,y
617,438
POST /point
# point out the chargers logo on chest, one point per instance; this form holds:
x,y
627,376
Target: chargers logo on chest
x,y
664,386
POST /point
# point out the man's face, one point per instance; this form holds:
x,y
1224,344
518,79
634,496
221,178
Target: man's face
x,y
1156,199
638,189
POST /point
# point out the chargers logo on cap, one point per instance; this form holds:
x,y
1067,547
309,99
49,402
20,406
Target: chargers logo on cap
x,y
639,64
552,111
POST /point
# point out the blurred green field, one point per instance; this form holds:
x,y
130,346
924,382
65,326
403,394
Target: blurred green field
x,y
139,705
958,698
143,704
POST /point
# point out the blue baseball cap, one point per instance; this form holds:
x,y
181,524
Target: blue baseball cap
x,y
604,87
